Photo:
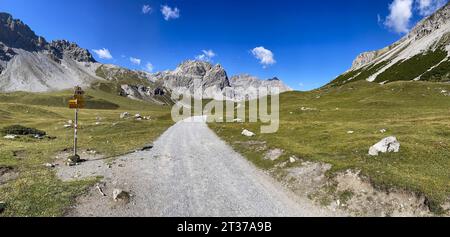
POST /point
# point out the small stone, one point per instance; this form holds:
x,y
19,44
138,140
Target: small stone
x,y
247,133
293,159
74,159
383,130
350,132
124,115
48,165
120,195
39,137
147,147
10,137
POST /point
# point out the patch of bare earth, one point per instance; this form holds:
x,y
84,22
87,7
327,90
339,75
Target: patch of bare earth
x,y
350,192
7,174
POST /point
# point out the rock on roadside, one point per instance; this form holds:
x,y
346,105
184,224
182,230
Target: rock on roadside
x,y
120,195
387,145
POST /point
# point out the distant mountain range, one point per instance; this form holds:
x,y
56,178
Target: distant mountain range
x,y
421,55
29,63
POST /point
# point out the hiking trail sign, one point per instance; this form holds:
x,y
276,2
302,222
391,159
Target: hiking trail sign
x,y
76,103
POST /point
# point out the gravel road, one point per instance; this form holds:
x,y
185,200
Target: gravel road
x,y
190,172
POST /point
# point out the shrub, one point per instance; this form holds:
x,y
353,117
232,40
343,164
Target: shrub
x,y
21,130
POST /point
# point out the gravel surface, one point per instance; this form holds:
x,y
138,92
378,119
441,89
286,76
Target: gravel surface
x,y
190,172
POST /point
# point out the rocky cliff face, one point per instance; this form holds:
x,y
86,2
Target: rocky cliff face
x,y
29,63
364,59
246,81
213,81
62,48
16,34
420,55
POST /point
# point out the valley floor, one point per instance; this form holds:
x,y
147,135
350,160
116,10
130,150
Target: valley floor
x,y
189,172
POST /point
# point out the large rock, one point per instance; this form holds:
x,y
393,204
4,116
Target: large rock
x,y
387,145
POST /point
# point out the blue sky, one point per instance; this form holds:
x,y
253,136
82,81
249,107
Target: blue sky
x,y
304,43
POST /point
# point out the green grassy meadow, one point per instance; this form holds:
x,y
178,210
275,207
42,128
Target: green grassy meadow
x,y
37,191
417,113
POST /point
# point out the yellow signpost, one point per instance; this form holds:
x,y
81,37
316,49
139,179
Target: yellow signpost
x,y
76,103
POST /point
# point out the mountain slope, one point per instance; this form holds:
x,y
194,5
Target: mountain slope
x,y
29,63
420,55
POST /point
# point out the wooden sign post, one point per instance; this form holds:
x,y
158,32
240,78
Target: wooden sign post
x,y
76,103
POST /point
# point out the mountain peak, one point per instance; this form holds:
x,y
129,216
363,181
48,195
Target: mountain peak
x,y
14,33
72,50
425,48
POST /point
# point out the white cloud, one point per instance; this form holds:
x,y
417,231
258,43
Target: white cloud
x,y
428,7
146,9
170,13
136,61
207,55
103,53
149,67
264,56
400,15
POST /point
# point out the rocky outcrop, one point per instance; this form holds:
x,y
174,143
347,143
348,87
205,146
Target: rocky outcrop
x,y
144,93
364,59
61,48
214,82
246,81
29,63
430,24
387,145
425,47
193,76
16,34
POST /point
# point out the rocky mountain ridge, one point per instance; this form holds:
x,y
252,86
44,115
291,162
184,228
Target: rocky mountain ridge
x,y
422,54
29,63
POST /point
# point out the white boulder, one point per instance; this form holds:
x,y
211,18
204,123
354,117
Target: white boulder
x,y
247,133
293,159
10,137
124,115
387,145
